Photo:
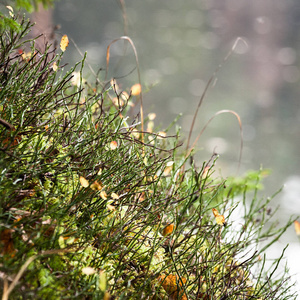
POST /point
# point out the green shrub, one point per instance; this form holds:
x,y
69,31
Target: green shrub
x,y
90,210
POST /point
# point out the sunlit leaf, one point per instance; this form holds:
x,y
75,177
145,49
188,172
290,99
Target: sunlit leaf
x,y
170,163
102,281
167,171
64,43
88,271
220,219
161,135
117,101
9,8
169,167
83,181
130,103
215,212
205,172
115,196
135,133
168,230
297,227
150,126
124,96
26,55
113,145
136,89
141,196
76,79
96,186
54,66
115,86
11,11
110,207
145,160
103,195
152,116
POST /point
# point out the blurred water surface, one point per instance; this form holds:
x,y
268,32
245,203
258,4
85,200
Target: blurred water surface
x,y
180,44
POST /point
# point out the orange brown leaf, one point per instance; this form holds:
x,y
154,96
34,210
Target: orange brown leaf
x,y
168,230
172,285
6,242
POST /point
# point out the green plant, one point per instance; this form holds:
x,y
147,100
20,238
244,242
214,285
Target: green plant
x,y
8,22
93,208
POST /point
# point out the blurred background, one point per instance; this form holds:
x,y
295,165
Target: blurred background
x,y
180,44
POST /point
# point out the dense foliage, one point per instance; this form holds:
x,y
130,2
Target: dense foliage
x,y
93,208
7,22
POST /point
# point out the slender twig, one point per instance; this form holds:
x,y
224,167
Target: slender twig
x,y
6,124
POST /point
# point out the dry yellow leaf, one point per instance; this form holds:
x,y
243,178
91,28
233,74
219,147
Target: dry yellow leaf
x,y
64,43
110,207
103,195
26,55
167,171
84,182
220,219
136,89
96,186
